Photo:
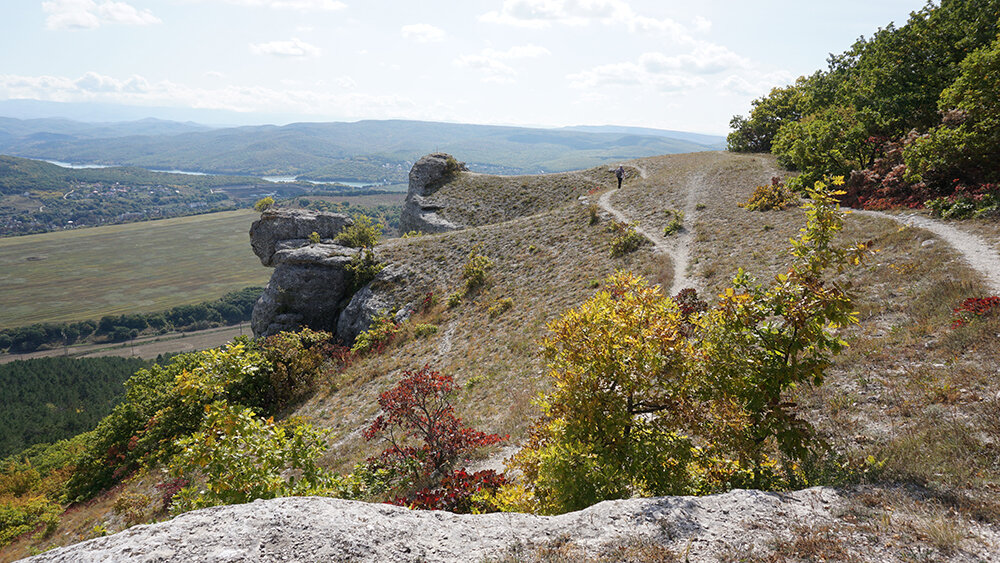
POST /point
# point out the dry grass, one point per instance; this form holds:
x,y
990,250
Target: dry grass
x,y
479,199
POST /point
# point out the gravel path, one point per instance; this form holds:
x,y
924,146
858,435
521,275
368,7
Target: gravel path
x,y
975,251
678,246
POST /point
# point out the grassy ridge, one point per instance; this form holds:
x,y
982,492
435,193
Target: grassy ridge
x,y
139,267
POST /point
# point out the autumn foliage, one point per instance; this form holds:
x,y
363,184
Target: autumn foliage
x,y
426,441
656,396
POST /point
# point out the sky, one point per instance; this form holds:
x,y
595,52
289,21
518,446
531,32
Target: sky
x,y
665,64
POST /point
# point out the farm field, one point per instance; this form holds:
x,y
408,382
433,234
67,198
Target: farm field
x,y
131,268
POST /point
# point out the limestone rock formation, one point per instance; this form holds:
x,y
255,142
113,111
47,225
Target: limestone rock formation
x,y
709,528
292,227
427,175
306,289
374,299
310,285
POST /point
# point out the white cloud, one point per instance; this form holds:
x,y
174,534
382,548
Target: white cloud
x,y
299,5
756,86
291,48
633,74
490,63
545,13
669,73
88,14
492,69
422,33
528,51
704,59
137,90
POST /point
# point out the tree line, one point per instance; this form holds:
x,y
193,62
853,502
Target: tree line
x,y
230,309
908,115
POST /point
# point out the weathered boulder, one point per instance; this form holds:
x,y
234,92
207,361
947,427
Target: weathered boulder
x,y
307,288
310,284
277,226
372,300
426,176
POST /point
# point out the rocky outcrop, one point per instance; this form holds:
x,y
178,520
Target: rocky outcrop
x,y
420,213
310,285
307,288
376,298
710,528
290,228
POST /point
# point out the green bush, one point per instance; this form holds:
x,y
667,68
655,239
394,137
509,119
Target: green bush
x,y
774,197
363,233
264,204
362,268
422,330
241,457
475,271
676,222
626,240
167,402
500,307
377,337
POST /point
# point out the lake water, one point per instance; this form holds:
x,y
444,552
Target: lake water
x,y
75,166
265,178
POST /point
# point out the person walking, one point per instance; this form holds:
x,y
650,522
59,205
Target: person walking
x,y
620,174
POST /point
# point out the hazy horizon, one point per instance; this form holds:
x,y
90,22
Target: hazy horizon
x,y
540,63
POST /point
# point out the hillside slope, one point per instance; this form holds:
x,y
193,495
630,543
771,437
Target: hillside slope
x,y
917,396
363,150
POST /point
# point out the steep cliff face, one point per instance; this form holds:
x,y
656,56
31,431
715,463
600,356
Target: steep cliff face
x,y
420,212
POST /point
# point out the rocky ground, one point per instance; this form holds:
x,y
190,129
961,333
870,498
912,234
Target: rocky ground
x,y
741,525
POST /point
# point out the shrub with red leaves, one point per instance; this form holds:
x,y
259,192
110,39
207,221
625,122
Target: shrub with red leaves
x,y
975,308
418,410
457,493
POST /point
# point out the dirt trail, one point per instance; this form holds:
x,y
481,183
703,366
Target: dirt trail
x,y
678,246
975,251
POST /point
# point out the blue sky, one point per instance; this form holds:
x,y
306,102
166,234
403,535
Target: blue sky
x,y
665,64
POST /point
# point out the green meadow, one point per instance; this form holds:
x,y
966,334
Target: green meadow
x,y
137,267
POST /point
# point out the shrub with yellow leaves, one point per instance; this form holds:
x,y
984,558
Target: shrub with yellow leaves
x,y
649,402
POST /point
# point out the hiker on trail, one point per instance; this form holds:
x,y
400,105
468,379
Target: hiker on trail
x,y
620,174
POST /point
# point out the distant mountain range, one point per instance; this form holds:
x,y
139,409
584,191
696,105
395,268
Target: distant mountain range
x,y
364,150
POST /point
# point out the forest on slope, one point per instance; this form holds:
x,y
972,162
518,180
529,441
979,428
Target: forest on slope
x,y
50,399
910,115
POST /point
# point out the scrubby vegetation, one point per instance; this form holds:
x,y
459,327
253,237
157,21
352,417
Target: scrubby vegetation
x,y
653,399
908,115
773,197
626,240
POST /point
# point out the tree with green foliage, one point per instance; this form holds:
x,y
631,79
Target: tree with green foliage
x,y
166,402
237,457
362,233
966,143
756,132
854,115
